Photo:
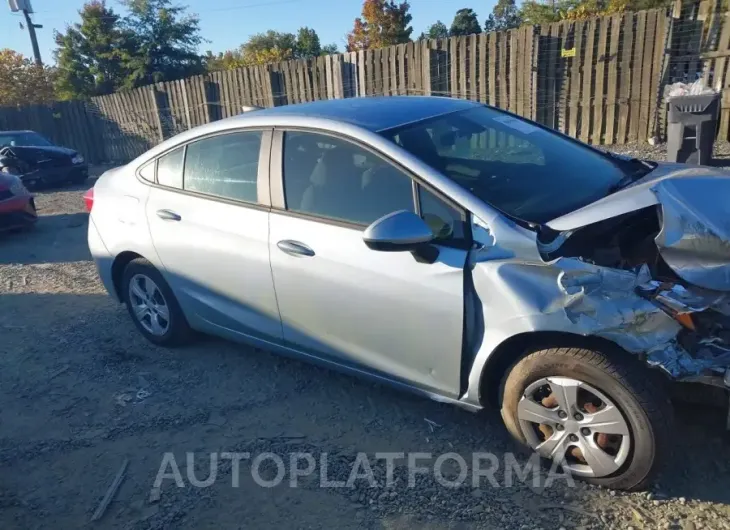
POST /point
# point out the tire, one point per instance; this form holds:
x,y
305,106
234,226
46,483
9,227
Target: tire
x,y
630,392
176,332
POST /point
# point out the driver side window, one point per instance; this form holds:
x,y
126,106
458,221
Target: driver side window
x,y
332,178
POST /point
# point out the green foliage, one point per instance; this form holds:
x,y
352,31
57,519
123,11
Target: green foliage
x,y
383,23
435,31
307,44
465,23
504,16
270,47
22,82
539,12
166,41
93,55
156,41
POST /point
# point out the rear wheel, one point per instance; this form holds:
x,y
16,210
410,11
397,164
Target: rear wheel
x,y
606,420
153,306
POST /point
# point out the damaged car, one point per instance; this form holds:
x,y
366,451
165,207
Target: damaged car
x,y
17,205
39,162
444,247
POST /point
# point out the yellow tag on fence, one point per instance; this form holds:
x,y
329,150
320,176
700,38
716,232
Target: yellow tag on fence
x,y
567,53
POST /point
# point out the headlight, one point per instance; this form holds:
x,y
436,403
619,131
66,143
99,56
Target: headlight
x,y
17,188
78,159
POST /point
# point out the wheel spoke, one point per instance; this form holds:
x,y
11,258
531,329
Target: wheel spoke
x,y
163,311
138,291
149,287
565,392
529,410
140,310
599,460
157,328
608,421
553,447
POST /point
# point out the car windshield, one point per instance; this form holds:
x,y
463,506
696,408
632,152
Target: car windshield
x,y
26,139
528,172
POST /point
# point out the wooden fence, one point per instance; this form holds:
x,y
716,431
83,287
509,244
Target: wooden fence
x,y
600,80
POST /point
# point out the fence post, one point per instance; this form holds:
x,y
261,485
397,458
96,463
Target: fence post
x,y
334,67
156,112
209,99
182,83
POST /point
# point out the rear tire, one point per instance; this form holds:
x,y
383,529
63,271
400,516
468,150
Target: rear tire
x,y
152,305
636,436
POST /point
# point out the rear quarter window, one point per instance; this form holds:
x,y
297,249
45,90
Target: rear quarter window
x,y
170,168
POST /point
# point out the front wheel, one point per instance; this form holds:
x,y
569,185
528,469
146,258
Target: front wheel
x,y
605,419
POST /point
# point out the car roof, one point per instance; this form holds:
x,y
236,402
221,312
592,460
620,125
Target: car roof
x,y
372,113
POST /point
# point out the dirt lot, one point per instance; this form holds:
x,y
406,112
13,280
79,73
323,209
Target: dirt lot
x,y
81,391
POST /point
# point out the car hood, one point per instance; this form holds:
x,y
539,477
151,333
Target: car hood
x,y
694,238
39,154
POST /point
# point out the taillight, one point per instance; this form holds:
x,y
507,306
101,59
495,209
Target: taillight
x,y
89,199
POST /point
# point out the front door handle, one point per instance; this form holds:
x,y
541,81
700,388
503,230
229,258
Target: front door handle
x,y
168,215
295,248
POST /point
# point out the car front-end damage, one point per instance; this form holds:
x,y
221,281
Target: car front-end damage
x,y
677,244
647,268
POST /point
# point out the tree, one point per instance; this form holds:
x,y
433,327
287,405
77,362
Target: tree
x,y
270,47
504,16
465,23
92,56
307,44
435,31
22,81
537,12
166,40
383,23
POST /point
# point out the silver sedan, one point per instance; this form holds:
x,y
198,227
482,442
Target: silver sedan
x,y
442,246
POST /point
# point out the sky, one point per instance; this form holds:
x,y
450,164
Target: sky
x,y
228,23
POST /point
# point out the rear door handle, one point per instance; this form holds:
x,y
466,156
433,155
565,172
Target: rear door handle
x,y
168,215
295,248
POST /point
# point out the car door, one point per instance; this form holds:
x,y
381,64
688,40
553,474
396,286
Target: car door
x,y
208,216
384,311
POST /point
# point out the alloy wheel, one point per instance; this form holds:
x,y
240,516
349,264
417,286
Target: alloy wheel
x,y
149,305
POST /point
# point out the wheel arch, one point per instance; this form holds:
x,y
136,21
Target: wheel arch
x,y
514,348
118,265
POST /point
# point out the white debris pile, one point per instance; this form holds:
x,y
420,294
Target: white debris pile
x,y
698,88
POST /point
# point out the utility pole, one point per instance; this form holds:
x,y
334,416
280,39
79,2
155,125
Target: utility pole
x,y
33,38
25,7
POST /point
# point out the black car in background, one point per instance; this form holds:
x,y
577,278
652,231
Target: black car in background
x,y
37,161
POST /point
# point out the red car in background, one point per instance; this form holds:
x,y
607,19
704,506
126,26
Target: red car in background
x,y
17,207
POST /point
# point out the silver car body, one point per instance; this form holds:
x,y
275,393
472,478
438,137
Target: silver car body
x,y
438,329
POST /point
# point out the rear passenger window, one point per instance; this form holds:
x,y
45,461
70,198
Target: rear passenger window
x,y
224,166
170,168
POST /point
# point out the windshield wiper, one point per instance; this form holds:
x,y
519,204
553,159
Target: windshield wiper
x,y
633,169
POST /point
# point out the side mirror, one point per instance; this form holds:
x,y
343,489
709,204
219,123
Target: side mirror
x,y
398,231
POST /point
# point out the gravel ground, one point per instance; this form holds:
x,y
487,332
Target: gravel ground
x,y
81,391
